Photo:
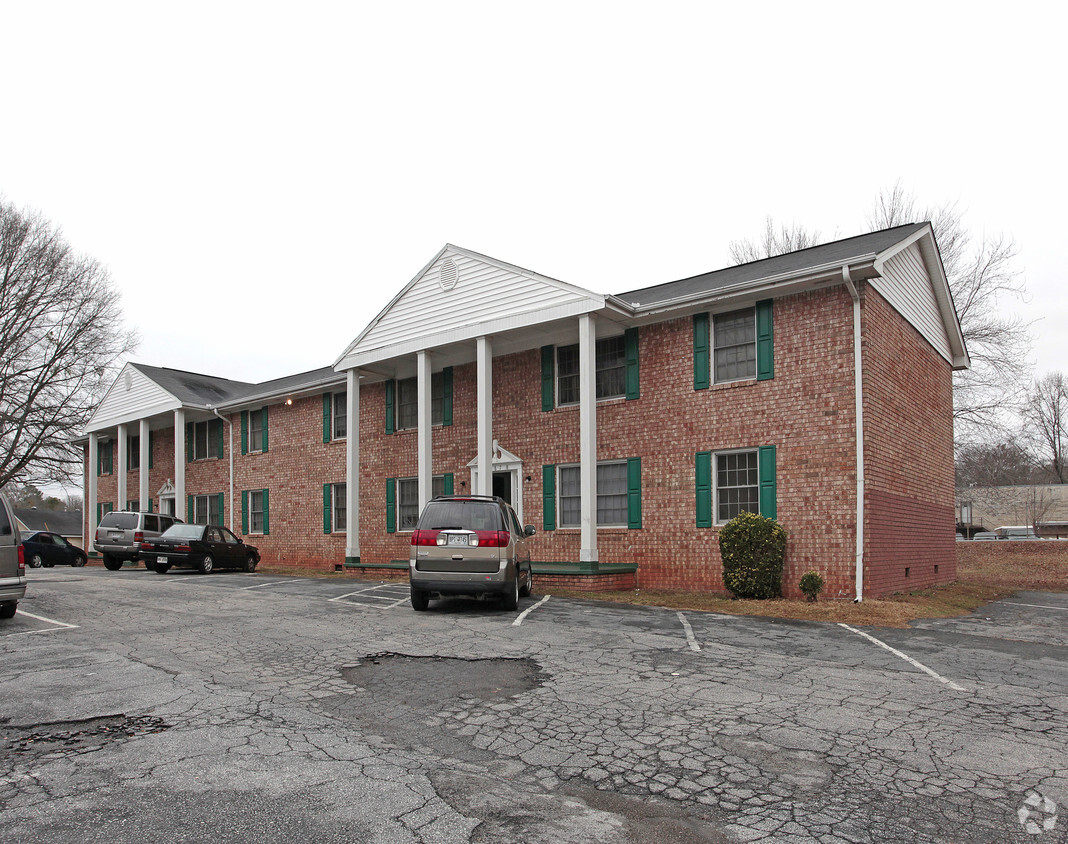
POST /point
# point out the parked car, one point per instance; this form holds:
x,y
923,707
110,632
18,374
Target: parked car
x,y
12,562
985,535
120,534
204,547
469,545
46,549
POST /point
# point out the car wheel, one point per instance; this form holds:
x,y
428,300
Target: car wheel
x,y
35,561
112,563
420,600
148,565
8,610
250,563
526,590
161,568
206,564
511,597
78,561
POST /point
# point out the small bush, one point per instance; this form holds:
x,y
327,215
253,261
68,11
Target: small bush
x,y
811,584
753,549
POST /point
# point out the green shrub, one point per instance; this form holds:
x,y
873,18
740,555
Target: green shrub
x,y
753,549
811,584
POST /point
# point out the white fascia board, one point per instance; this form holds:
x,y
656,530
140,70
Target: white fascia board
x,y
762,287
276,396
473,331
925,241
96,425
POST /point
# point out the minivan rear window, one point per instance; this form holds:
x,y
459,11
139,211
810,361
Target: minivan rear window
x,y
461,515
125,521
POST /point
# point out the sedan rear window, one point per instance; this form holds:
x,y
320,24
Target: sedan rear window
x,y
125,521
461,515
183,532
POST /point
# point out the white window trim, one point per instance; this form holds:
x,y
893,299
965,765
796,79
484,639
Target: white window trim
x,y
715,479
334,435
208,498
333,508
712,350
252,414
251,531
556,374
559,487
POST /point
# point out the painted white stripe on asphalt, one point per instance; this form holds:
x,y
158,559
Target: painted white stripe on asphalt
x,y
690,638
528,611
1036,606
47,620
905,657
357,592
274,583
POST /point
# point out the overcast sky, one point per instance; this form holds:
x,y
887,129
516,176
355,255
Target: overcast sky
x,y
262,178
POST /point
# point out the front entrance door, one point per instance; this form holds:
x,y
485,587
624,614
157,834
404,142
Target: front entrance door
x,y
502,485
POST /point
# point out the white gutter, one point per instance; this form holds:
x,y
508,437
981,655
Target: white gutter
x,y
231,424
858,392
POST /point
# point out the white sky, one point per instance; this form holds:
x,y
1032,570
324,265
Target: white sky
x,y
262,178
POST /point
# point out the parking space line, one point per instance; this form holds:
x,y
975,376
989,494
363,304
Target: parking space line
x,y
1036,606
360,592
905,657
690,638
59,625
528,611
274,583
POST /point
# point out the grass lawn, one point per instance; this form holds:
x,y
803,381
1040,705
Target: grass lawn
x,y
981,578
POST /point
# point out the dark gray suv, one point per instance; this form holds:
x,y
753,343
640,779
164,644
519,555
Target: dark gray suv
x,y
120,534
469,545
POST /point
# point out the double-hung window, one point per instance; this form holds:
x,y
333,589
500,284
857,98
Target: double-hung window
x,y
341,418
104,458
256,510
206,509
255,431
737,484
408,401
206,439
408,499
133,453
340,498
611,495
734,345
611,367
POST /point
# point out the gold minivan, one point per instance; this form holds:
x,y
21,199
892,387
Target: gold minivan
x,y
12,562
469,545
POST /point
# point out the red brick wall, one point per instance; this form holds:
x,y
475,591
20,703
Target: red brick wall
x,y
908,447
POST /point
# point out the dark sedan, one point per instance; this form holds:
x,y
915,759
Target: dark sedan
x,y
203,547
46,549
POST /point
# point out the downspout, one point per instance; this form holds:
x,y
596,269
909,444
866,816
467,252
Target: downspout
x,y
858,392
231,425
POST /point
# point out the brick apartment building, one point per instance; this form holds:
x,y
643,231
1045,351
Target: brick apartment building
x,y
814,387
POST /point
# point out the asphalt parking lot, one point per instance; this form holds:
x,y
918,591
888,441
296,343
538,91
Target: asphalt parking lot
x,y
250,707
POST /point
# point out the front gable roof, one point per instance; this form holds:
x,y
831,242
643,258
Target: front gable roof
x,y
461,295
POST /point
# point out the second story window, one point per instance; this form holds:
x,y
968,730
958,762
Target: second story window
x,y
341,418
734,345
611,363
408,401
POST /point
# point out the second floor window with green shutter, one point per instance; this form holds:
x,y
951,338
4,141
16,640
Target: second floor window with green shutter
x,y
611,370
341,418
407,413
255,430
734,346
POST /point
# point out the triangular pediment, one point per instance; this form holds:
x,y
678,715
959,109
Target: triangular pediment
x,y
461,295
131,397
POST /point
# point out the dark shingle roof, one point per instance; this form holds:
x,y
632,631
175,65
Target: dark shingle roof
x,y
63,522
792,263
207,390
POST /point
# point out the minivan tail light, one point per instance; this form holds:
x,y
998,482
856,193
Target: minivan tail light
x,y
22,561
492,538
425,537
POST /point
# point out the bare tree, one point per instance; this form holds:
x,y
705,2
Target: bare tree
x,y
1047,413
61,339
776,241
993,463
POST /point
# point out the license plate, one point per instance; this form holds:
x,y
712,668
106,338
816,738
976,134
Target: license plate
x,y
161,560
458,539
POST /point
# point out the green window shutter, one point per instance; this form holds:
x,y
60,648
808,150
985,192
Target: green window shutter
x,y
149,449
703,475
446,396
548,495
447,483
548,394
264,449
99,461
219,440
222,507
391,386
328,407
630,341
766,468
244,432
99,512
391,504
327,505
189,442
266,513
149,505
190,509
765,341
634,493
701,356
244,512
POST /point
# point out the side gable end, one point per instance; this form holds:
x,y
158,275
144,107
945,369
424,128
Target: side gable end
x,y
133,396
460,295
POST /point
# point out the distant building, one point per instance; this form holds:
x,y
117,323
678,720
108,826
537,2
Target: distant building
x,y
67,523
628,429
1043,507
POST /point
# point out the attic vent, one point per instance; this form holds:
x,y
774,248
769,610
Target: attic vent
x,y
447,275
129,381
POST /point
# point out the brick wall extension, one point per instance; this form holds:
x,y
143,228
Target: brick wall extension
x,y
908,451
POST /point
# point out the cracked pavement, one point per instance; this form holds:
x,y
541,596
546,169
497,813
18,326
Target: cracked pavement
x,y
187,707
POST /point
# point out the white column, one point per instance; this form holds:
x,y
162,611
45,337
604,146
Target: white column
x,y
352,466
144,495
179,464
91,482
588,436
426,459
122,461
484,401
